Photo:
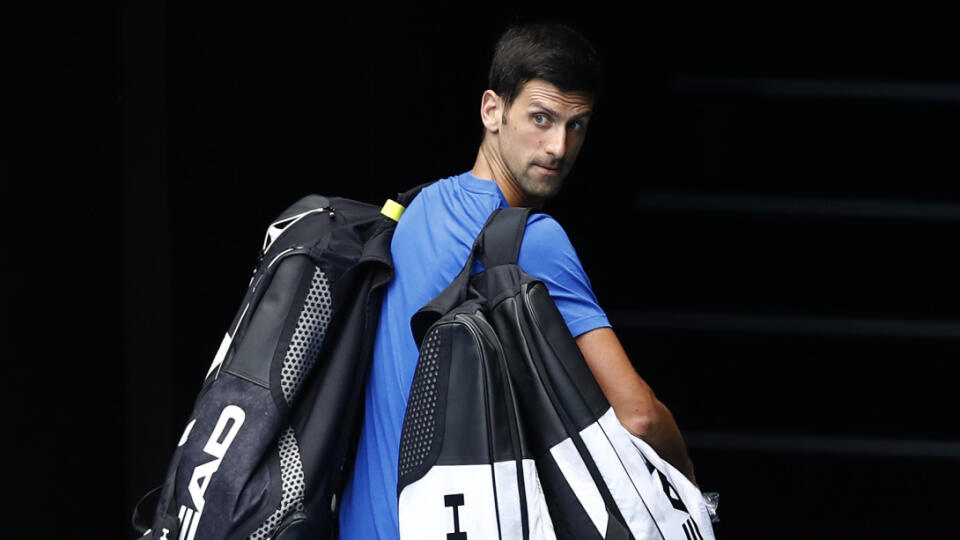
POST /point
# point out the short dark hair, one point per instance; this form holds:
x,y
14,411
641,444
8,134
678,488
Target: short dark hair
x,y
550,51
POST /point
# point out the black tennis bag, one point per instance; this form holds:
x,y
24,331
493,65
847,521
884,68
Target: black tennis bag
x,y
508,436
275,424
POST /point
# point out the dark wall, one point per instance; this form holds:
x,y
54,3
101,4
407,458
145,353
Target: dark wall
x,y
63,362
765,206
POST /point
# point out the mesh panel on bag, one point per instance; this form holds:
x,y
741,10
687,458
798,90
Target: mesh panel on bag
x,y
420,420
300,358
307,336
291,479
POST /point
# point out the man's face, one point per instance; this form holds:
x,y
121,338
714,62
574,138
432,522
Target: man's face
x,y
541,135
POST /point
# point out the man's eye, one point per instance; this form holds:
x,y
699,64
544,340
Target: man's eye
x,y
540,119
578,125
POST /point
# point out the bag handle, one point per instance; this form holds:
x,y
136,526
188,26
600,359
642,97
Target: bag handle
x,y
137,519
497,244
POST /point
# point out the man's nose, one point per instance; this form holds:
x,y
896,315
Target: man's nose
x,y
557,142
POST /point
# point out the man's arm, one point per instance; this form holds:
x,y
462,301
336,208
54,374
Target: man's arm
x,y
633,401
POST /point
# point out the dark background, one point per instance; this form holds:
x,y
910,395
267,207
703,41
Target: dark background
x,y
766,205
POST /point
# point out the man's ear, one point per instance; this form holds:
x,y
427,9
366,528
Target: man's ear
x,y
491,111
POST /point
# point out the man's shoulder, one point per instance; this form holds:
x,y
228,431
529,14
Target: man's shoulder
x,y
545,242
548,255
459,188
544,228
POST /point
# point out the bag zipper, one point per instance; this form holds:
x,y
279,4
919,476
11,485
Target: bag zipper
x,y
479,326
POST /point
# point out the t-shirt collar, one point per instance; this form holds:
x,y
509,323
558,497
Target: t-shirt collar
x,y
484,186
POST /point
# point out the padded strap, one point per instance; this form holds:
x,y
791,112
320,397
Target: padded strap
x,y
406,197
500,240
498,243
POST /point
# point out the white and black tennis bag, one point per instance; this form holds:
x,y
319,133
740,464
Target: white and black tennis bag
x,y
508,436
275,424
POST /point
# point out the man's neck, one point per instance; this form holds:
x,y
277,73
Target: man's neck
x,y
490,166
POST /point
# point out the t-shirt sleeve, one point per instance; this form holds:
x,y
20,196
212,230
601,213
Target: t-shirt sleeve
x,y
547,254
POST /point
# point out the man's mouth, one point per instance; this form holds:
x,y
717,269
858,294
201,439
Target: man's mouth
x,y
548,169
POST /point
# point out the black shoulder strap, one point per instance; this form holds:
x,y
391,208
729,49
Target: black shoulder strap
x,y
498,243
407,196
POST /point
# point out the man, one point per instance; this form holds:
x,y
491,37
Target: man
x,y
544,81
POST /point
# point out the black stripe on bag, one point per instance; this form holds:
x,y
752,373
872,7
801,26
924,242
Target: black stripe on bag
x,y
691,525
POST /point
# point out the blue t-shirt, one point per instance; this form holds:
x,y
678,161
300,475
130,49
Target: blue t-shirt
x,y
429,247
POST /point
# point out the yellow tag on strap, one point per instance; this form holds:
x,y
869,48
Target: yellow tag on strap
x,y
392,209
